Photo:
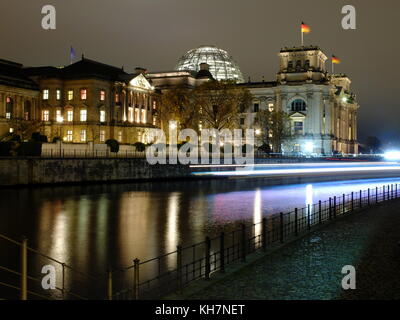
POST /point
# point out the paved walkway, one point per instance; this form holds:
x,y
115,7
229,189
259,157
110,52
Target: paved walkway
x,y
310,268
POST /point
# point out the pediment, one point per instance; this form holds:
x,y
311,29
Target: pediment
x,y
297,115
141,82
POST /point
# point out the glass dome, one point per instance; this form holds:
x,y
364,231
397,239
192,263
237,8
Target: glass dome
x,y
221,64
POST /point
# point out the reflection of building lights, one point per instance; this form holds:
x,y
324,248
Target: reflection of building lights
x,y
257,216
309,147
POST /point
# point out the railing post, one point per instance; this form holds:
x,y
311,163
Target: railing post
x,y
396,190
24,269
243,243
109,285
360,198
281,227
344,203
330,208
308,217
296,231
391,190
352,201
136,264
179,266
388,192
63,281
319,211
222,252
208,260
384,193
264,234
376,194
368,196
334,207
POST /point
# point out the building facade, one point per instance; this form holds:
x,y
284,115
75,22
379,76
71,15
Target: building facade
x,y
322,109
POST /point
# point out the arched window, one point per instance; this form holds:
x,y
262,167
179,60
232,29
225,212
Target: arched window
x,y
298,105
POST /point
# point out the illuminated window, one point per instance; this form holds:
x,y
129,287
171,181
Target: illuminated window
x,y
102,116
59,117
58,94
83,94
154,121
116,97
11,130
154,105
83,115
9,107
69,135
144,116
70,95
83,135
102,136
70,116
119,138
102,95
8,115
46,94
270,106
46,115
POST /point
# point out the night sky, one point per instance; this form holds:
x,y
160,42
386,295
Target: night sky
x,y
155,33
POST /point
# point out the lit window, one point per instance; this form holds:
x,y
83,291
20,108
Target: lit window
x,y
154,105
70,116
8,115
70,95
58,94
144,116
83,94
102,116
116,97
46,115
102,95
119,136
154,121
270,106
11,130
83,135
59,117
102,136
83,115
69,135
8,100
46,94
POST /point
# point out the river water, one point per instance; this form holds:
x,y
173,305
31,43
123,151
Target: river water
x,y
92,227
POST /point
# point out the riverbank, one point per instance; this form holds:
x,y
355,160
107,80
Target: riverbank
x,y
310,267
53,171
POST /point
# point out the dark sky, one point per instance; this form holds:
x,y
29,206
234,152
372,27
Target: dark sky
x,y
155,33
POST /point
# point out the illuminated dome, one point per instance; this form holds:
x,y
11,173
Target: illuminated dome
x,y
221,64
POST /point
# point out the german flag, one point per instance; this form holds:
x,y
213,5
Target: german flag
x,y
305,28
335,60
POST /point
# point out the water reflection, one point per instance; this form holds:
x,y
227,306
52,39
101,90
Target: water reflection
x,y
93,227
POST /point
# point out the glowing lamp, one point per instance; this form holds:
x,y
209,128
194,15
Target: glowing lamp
x,y
392,155
309,147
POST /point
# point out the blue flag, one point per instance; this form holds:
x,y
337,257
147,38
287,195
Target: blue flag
x,y
72,54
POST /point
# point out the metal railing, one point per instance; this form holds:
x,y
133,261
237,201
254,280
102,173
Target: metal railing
x,y
23,274
173,271
157,277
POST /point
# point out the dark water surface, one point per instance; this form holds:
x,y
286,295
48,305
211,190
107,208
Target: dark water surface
x,y
92,227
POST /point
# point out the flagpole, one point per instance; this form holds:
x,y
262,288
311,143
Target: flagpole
x,y
302,37
332,66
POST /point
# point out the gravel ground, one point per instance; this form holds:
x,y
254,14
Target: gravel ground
x,y
310,268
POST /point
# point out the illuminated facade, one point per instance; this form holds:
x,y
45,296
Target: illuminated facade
x,y
86,102
221,64
321,108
